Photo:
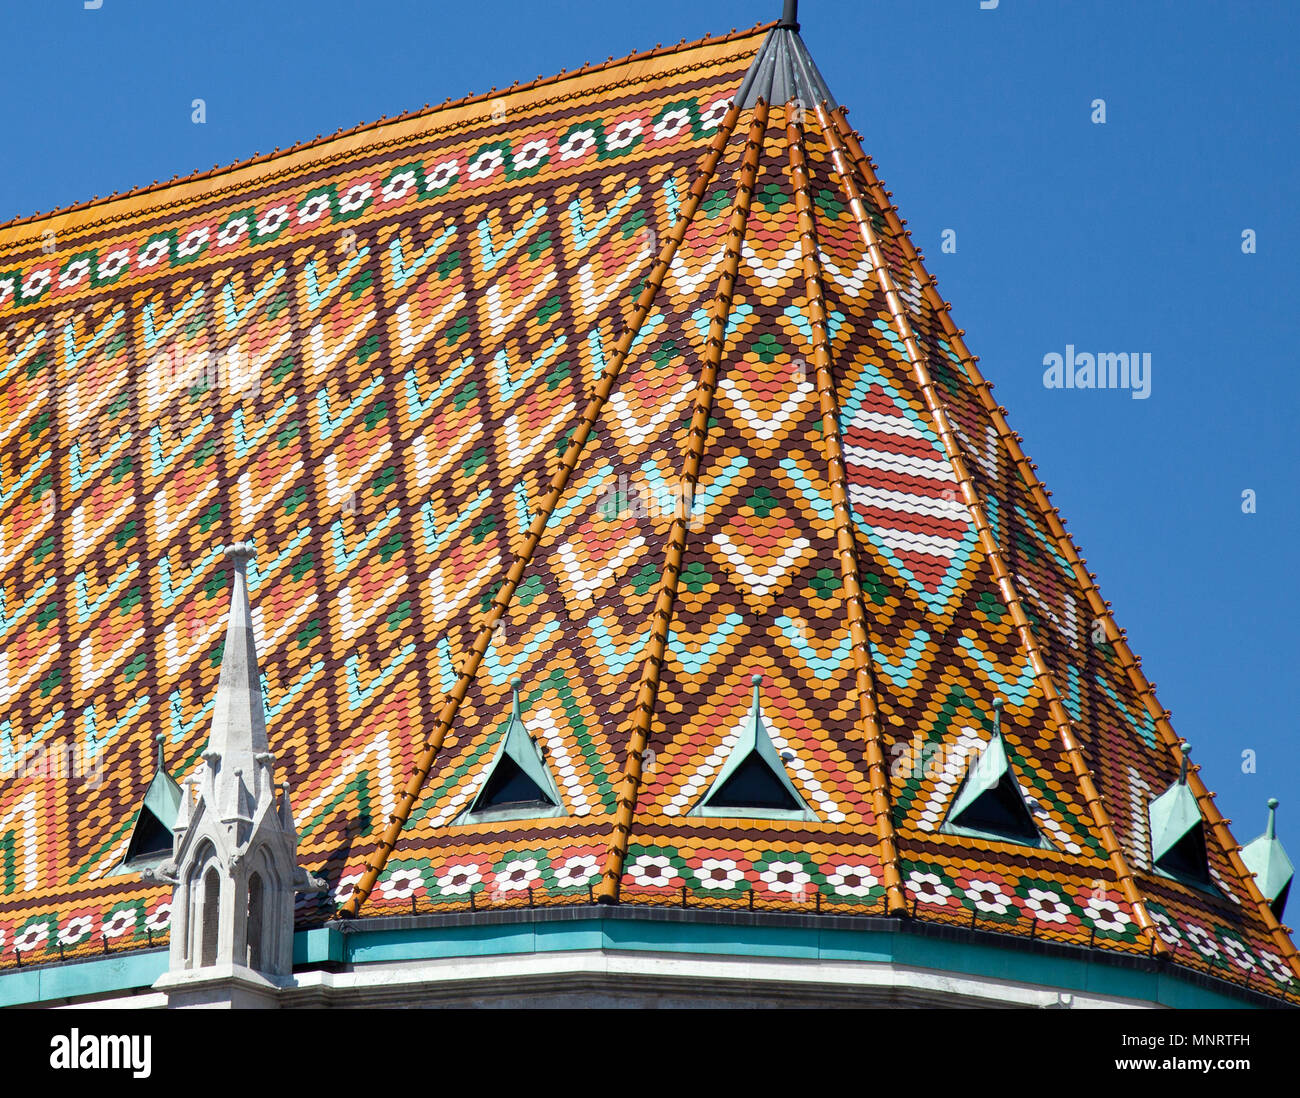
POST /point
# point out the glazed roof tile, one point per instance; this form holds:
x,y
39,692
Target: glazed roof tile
x,y
608,385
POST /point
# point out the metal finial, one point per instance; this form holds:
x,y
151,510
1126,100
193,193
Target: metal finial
x,y
790,17
516,684
160,738
1186,749
1271,829
997,715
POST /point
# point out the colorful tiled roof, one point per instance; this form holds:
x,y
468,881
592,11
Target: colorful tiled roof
x,y
611,386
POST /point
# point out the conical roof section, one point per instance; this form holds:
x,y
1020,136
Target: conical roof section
x,y
627,385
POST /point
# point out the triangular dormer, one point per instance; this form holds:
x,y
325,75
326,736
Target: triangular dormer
x,y
151,833
753,783
1178,833
990,803
1266,858
519,784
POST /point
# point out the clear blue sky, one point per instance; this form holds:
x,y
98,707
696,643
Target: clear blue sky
x,y
1117,237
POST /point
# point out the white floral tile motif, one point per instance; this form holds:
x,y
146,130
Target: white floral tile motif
x,y
342,892
1277,968
713,115
578,144
459,880
530,154
577,871
1238,952
160,918
1204,942
192,243
114,264
76,930
486,163
402,884
517,876
990,897
37,282
1166,928
153,252
786,877
671,124
720,873
848,879
355,197
928,888
442,175
32,935
398,186
75,272
653,869
119,922
1106,914
273,221
313,209
1047,906
623,135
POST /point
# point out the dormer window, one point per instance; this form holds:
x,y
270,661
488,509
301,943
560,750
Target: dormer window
x,y
753,783
990,803
1268,862
519,784
1178,833
151,833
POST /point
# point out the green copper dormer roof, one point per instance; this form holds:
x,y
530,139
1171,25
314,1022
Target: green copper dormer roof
x,y
1178,832
990,803
151,833
753,783
519,785
1266,858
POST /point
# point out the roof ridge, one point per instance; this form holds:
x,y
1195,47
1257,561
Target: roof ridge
x,y
427,110
665,601
868,711
1099,607
1006,582
501,600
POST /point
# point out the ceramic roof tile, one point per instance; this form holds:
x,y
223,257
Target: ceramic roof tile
x,y
441,371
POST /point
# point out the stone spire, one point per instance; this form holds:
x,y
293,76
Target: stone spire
x,y
233,869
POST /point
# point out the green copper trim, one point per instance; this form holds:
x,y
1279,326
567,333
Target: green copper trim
x,y
695,933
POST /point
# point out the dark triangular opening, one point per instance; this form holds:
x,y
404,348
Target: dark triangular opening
x,y
1000,811
150,838
753,785
510,787
1187,859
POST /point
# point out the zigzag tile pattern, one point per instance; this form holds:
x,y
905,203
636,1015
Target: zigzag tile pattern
x,y
368,357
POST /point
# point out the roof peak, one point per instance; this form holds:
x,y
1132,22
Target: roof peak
x,y
784,70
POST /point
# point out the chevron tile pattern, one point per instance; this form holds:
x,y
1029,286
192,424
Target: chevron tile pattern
x,y
368,356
